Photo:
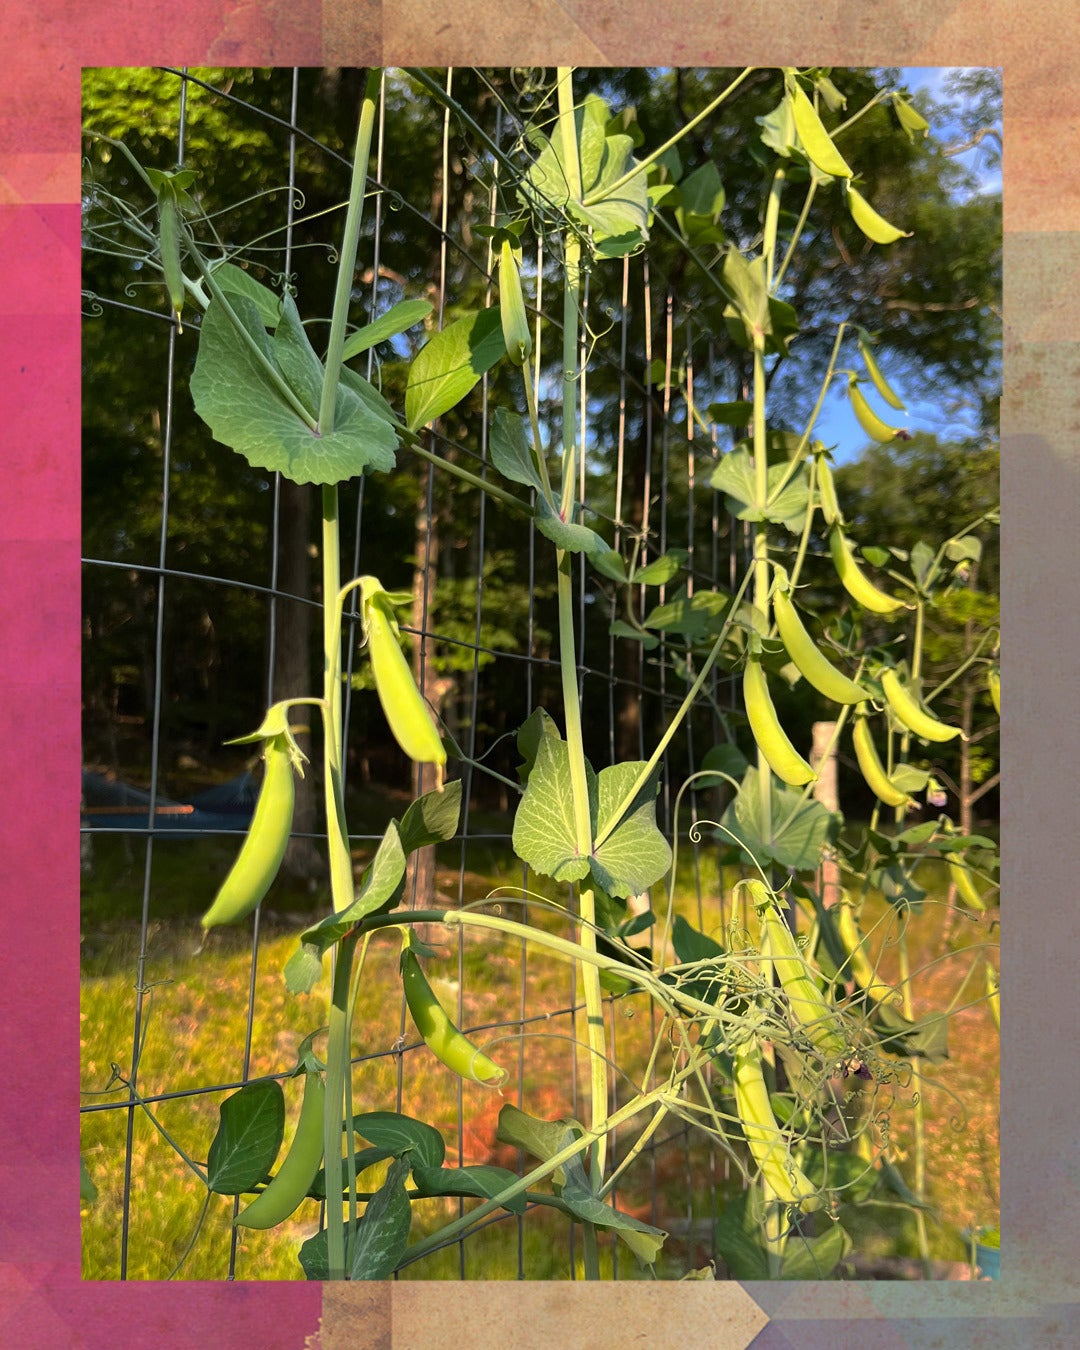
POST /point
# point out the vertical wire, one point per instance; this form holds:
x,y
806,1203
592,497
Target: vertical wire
x,y
620,464
474,704
155,741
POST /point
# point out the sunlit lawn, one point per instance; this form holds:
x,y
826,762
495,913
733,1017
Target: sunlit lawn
x,y
195,1027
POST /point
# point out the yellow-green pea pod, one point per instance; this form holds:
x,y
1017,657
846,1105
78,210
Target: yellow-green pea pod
x,y
259,859
808,657
815,140
993,685
449,1045
855,581
876,228
406,712
830,505
768,1144
784,760
913,122
966,889
911,713
878,380
871,767
169,246
809,1007
857,961
871,423
515,321
293,1178
993,994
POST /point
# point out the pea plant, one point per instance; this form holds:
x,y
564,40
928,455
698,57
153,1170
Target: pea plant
x,y
770,1043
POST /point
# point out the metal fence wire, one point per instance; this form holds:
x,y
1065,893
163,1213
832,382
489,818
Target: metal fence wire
x,y
192,565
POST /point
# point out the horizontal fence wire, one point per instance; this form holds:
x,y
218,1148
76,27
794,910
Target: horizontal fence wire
x,y
666,445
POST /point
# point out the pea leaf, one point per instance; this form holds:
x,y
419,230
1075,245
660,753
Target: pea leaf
x,y
431,819
541,1138
510,450
382,1234
636,854
245,410
249,1138
378,884
797,832
569,535
619,220
235,281
544,833
402,1134
450,364
396,320
480,1179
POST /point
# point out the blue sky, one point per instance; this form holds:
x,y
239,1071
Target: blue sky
x,y
837,425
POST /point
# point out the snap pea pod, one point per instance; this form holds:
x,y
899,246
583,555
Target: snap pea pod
x,y
407,714
876,228
449,1045
808,657
871,767
515,322
878,380
911,713
259,859
809,1007
784,760
966,889
874,426
293,1178
855,581
815,140
767,1143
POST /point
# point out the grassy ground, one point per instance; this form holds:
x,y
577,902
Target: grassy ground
x,y
195,1026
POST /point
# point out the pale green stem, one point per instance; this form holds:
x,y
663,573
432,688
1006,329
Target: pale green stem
x,y
339,1046
594,1008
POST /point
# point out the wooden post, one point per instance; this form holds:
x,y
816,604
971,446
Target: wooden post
x,y
825,792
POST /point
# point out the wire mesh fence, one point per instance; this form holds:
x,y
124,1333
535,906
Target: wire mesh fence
x,y
194,562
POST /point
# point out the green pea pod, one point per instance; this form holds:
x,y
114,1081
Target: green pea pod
x,y
913,122
768,1144
806,654
449,1045
856,959
855,581
809,1007
876,228
993,685
407,715
878,380
871,423
169,245
784,760
830,505
293,1179
871,767
815,140
966,889
993,994
911,713
515,321
259,859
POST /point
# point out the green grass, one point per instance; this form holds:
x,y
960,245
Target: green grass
x,y
195,1021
